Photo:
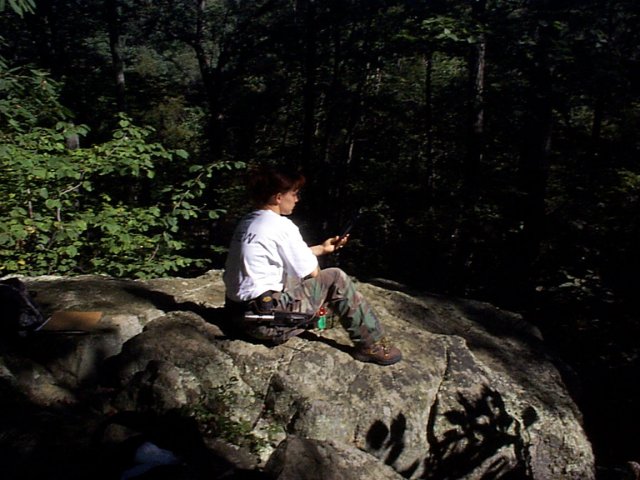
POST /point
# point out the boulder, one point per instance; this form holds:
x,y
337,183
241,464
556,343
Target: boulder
x,y
476,395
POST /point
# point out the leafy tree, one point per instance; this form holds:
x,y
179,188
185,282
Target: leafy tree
x,y
491,145
85,209
377,102
19,6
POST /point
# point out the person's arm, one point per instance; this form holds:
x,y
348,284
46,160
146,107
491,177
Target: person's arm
x,y
330,245
314,273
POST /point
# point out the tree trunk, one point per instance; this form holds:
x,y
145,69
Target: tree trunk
x,y
534,164
602,74
44,29
428,126
475,152
310,73
593,157
475,146
211,79
471,180
115,45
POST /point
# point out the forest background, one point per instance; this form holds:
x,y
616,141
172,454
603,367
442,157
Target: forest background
x,y
489,149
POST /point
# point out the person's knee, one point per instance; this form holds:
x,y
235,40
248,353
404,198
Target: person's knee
x,y
336,279
335,275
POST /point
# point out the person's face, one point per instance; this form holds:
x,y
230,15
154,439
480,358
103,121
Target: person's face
x,y
288,201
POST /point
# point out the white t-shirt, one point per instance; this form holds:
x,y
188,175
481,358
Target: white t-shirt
x,y
266,248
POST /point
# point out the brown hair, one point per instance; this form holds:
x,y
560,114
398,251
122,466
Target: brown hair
x,y
269,181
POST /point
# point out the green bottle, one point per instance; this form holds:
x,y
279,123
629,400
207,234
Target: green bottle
x,y
321,323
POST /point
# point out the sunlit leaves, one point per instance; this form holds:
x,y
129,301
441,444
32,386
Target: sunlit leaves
x,y
19,6
87,209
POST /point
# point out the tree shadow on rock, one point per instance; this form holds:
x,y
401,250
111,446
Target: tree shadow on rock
x,y
161,445
514,345
218,316
221,317
475,442
388,439
44,441
312,337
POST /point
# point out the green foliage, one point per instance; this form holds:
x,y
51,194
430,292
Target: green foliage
x,y
96,209
373,100
508,173
18,6
212,413
28,97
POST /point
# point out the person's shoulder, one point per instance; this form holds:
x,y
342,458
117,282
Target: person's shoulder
x,y
266,221
287,223
253,217
271,216
278,225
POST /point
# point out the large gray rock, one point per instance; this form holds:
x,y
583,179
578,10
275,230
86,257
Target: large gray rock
x,y
476,396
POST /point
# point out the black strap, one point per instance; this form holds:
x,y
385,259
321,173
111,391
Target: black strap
x,y
262,310
264,303
282,319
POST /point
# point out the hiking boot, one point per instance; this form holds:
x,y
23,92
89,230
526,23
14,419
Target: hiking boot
x,y
379,352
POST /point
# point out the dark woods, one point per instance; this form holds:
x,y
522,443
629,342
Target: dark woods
x,y
490,146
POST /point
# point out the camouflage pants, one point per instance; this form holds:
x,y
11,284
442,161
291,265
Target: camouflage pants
x,y
333,288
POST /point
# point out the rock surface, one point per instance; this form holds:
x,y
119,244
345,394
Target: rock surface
x,y
476,396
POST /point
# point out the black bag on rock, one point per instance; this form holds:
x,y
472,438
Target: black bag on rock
x,y
20,314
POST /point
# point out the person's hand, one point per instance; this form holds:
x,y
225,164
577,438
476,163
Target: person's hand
x,y
334,244
330,245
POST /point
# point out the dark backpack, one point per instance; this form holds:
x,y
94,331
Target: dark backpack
x,y
20,314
